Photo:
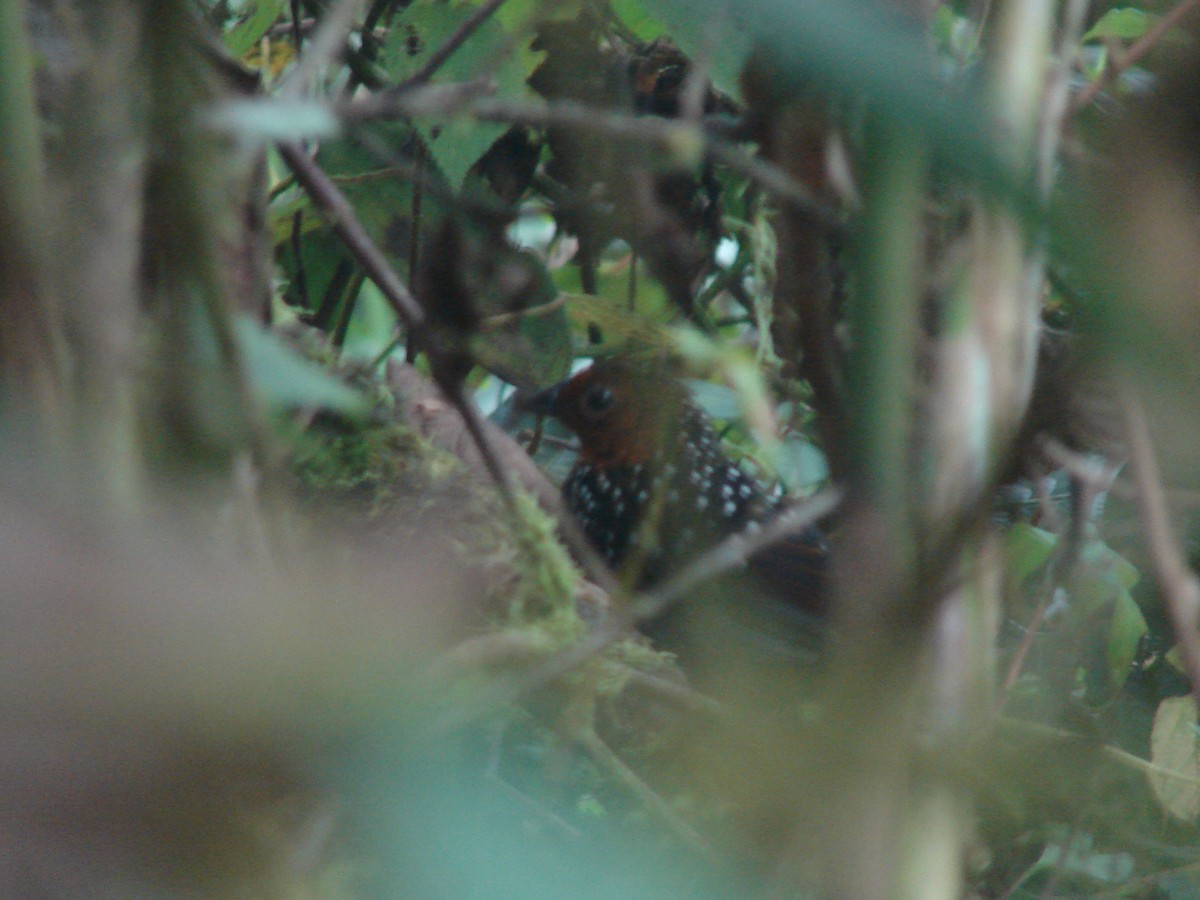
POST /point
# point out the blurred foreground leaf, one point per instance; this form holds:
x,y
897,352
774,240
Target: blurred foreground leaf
x,y
1175,749
286,380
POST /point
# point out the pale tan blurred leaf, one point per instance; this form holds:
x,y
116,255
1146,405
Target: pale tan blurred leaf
x,y
1175,753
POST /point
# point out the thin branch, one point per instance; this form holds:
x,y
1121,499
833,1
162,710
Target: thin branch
x,y
1180,587
1057,100
444,52
1136,52
616,767
664,133
506,320
1116,754
730,553
676,692
474,423
548,817
346,225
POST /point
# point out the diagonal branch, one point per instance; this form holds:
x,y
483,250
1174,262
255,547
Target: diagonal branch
x,y
1180,587
1136,52
346,225
664,133
444,52
727,555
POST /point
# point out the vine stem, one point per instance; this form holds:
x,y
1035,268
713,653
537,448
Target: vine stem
x,y
1180,587
1136,52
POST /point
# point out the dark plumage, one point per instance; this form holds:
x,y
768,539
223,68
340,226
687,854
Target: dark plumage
x,y
654,488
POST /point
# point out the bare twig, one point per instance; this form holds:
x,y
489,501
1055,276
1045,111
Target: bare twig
x,y
444,52
474,423
346,225
1136,52
1017,664
417,388
1058,94
617,768
678,693
729,554
664,133
1180,587
504,320
1115,754
556,822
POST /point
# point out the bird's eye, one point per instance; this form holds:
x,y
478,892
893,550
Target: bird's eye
x,y
597,400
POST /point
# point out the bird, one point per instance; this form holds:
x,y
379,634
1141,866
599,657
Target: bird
x,y
653,488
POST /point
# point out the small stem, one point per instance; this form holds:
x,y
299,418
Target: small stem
x,y
1137,51
446,50
463,99
346,225
1180,587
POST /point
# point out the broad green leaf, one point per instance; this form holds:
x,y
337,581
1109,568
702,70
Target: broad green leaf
x,y
286,380
719,401
534,350
1028,549
1124,636
380,190
1105,576
1175,752
249,31
1124,23
520,16
457,143
372,327
636,16
802,466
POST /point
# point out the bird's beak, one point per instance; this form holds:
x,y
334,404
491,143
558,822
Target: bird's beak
x,y
544,402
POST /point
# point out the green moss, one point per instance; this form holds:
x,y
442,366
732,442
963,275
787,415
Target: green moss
x,y
374,463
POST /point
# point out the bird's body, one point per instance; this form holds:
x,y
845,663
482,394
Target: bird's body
x,y
700,495
654,488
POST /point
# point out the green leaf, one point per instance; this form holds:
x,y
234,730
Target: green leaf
x,y
1124,636
801,465
519,16
635,16
1106,575
1028,549
536,350
286,380
719,401
1124,23
380,192
249,31
456,144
